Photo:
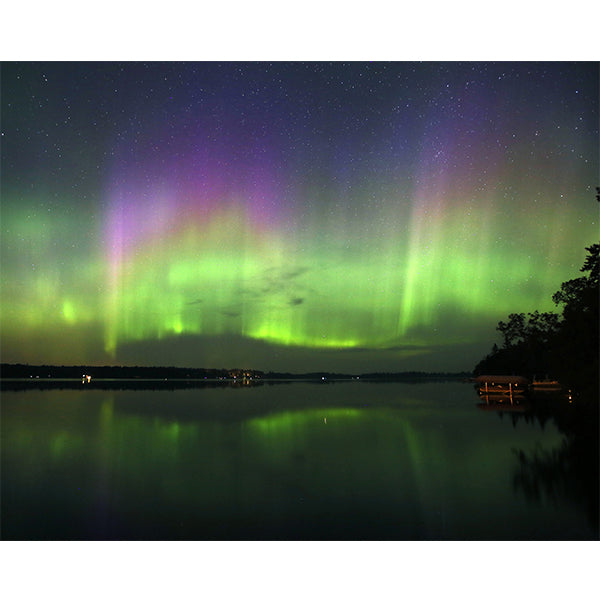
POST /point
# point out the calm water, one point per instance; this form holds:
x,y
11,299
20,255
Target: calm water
x,y
293,461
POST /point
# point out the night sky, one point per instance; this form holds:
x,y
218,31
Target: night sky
x,y
346,217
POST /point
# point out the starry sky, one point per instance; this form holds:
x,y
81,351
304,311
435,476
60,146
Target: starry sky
x,y
349,217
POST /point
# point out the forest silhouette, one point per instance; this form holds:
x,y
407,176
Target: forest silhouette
x,y
562,346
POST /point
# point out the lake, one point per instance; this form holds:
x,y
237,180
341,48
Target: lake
x,y
292,461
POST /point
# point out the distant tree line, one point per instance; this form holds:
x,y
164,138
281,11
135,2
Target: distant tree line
x,y
26,371
414,376
563,345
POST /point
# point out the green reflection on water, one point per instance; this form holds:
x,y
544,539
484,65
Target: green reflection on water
x,y
170,465
282,423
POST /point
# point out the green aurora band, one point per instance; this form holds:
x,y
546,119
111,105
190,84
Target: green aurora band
x,y
394,227
334,288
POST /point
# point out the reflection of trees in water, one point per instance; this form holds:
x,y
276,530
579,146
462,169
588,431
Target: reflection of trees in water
x,y
547,473
570,471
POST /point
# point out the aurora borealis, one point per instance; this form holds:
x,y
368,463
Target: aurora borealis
x,y
289,216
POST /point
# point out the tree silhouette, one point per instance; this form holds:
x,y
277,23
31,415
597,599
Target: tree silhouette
x,y
578,339
566,345
537,328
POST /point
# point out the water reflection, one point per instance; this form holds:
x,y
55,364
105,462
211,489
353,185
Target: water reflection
x,y
568,472
26,385
351,461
